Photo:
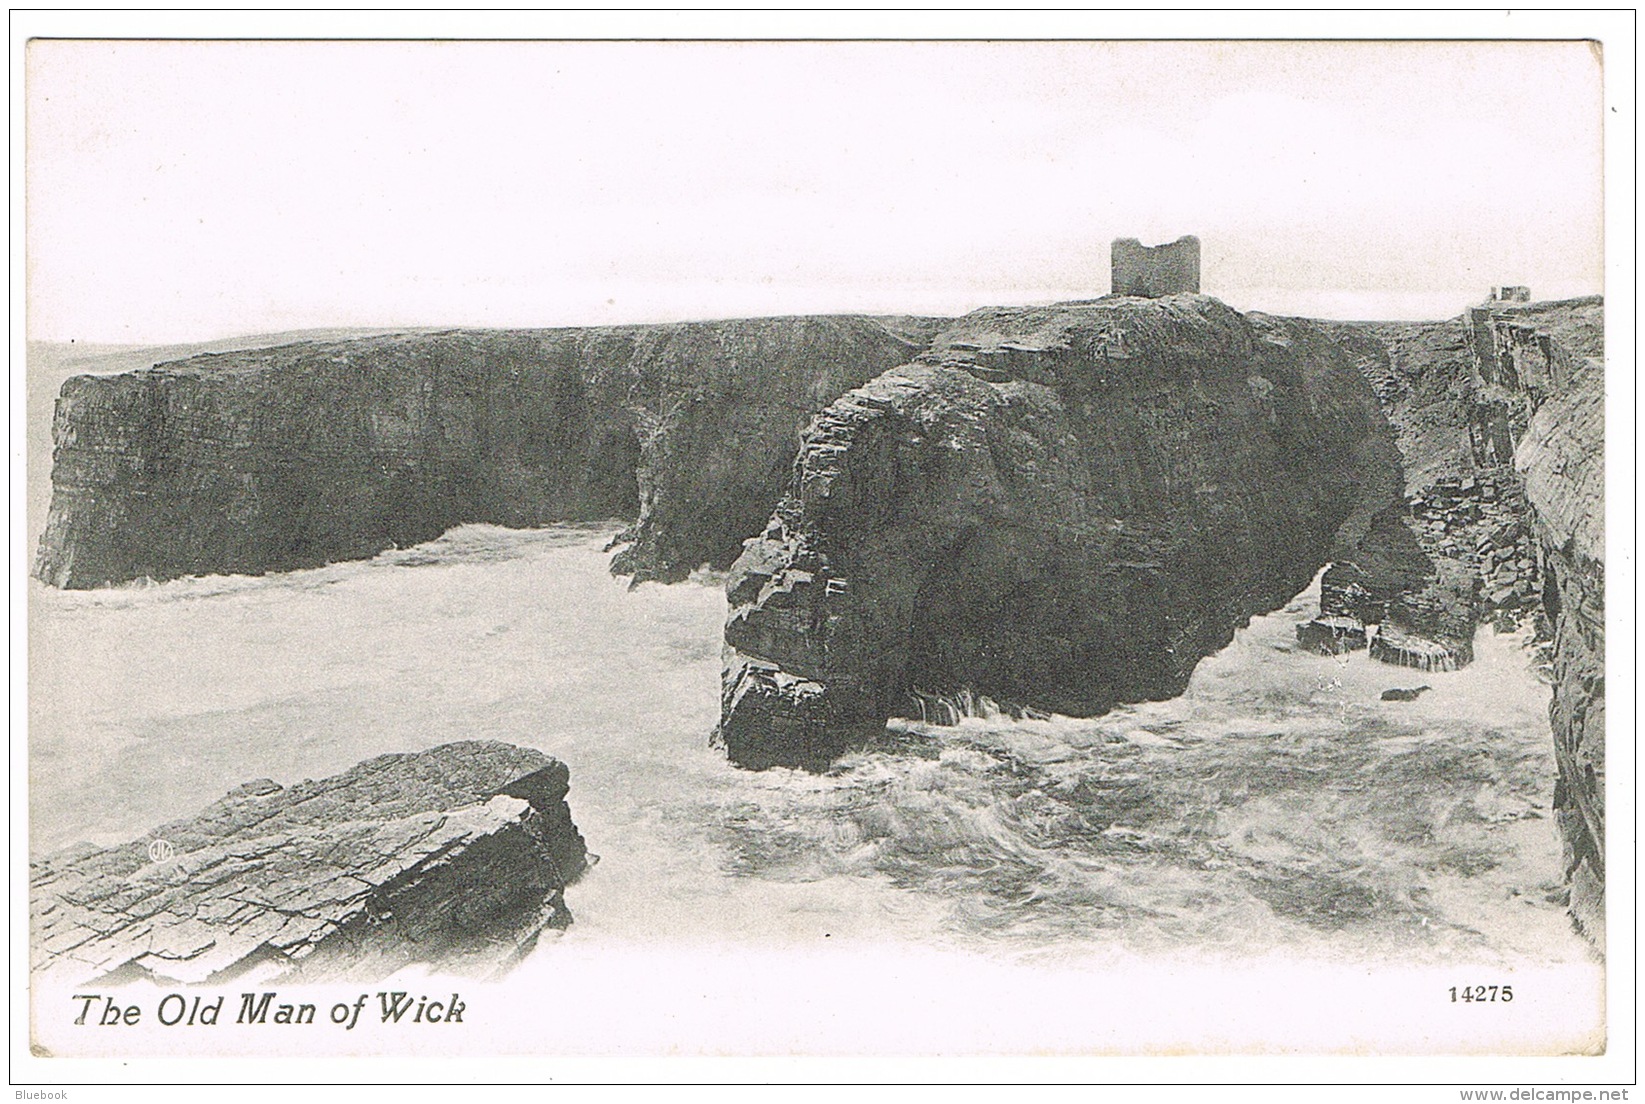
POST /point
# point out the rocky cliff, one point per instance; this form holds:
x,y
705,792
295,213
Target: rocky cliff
x,y
1499,417
1455,400
1420,373
1561,457
455,857
1058,508
294,456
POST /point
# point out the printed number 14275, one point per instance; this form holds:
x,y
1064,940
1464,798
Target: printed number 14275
x,y
1487,993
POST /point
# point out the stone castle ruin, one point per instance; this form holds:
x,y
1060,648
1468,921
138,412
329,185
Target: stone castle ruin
x,y
1151,272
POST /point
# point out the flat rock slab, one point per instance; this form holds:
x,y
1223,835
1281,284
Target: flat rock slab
x,y
454,857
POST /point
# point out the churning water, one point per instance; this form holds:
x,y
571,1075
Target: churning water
x,y
1278,805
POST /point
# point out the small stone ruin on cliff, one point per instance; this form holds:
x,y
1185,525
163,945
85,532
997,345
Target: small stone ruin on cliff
x,y
1152,272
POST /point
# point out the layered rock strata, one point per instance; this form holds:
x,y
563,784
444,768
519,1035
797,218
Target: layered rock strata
x,y
1459,395
1562,459
455,857
313,452
1061,508
1500,421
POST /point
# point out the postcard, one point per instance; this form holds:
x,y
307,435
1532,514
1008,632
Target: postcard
x,y
791,547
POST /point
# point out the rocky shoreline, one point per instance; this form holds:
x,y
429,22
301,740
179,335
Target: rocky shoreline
x,y
1054,508
299,455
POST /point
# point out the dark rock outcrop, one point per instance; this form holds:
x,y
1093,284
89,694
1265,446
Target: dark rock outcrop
x,y
1332,634
455,857
1062,508
308,453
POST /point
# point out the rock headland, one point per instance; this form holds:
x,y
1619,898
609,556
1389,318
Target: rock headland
x,y
1058,508
303,454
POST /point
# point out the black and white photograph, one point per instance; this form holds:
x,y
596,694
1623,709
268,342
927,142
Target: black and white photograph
x,y
885,545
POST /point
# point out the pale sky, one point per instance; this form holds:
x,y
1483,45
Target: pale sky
x,y
193,190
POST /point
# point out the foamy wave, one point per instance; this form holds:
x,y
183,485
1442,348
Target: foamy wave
x,y
465,545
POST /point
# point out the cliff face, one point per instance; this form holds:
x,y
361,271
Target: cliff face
x,y
1500,421
1062,508
1420,372
1562,460
455,857
717,409
1459,395
294,456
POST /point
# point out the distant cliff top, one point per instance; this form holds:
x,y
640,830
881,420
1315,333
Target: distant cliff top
x,y
1577,324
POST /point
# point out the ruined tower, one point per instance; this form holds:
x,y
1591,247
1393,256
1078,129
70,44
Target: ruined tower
x,y
1154,271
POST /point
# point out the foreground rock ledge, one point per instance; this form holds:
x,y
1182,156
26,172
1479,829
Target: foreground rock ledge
x,y
454,857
